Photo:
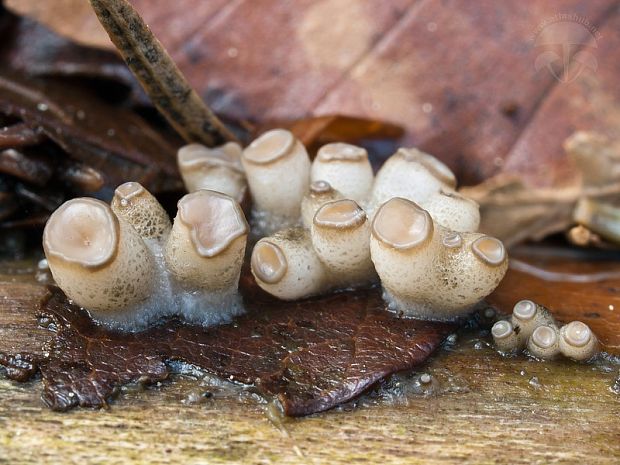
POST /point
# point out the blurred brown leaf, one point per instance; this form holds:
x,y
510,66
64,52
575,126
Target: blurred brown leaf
x,y
459,76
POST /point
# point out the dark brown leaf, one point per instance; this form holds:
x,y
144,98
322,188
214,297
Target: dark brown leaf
x,y
112,140
311,355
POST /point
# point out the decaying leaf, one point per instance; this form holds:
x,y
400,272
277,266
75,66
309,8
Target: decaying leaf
x,y
464,89
515,212
311,355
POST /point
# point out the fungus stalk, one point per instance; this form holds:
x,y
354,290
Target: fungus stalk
x,y
286,265
140,209
207,243
346,168
341,237
577,341
278,172
98,259
421,178
428,271
218,169
504,336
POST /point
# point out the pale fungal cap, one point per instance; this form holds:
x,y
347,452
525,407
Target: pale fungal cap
x,y
341,152
424,271
577,334
453,241
524,310
346,168
268,262
319,194
340,214
96,258
320,188
504,336
127,191
341,237
217,169
545,337
402,224
206,246
140,209
577,341
501,329
438,169
198,156
270,147
544,342
489,250
82,231
277,167
215,220
421,178
286,266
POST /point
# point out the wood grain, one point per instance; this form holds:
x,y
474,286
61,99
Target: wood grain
x,y
491,410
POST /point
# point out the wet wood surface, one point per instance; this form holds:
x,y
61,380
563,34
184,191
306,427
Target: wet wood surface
x,y
481,408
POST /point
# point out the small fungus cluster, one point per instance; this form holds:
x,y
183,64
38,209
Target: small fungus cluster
x,y
533,327
324,225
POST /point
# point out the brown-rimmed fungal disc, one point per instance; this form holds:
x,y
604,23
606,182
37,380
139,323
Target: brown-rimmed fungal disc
x,y
334,254
218,169
577,341
532,325
128,268
428,271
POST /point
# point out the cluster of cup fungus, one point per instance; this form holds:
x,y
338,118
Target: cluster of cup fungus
x,y
533,327
321,225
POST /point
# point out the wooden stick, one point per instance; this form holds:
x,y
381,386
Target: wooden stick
x,y
158,74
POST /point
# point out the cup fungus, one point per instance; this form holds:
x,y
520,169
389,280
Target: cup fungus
x,y
128,267
422,276
320,193
417,176
527,316
430,262
96,258
544,342
286,265
334,254
341,237
206,246
139,208
505,337
277,167
577,341
346,168
218,169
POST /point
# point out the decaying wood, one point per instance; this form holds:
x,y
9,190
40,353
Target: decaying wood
x,y
159,75
490,410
